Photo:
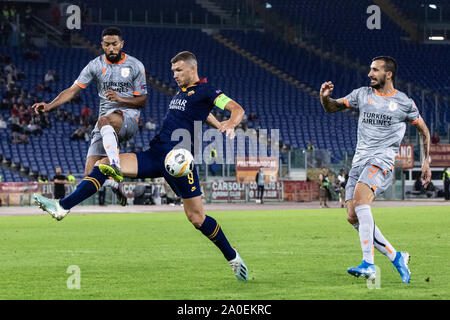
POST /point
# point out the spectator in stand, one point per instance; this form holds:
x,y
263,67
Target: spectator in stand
x,y
5,104
79,134
14,110
45,121
24,115
24,139
67,116
3,124
85,114
48,79
59,115
435,138
15,124
34,127
15,138
150,125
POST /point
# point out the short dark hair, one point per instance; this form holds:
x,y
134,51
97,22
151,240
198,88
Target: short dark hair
x,y
184,56
389,64
112,31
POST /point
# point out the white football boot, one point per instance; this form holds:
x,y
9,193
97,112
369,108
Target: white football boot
x,y
50,206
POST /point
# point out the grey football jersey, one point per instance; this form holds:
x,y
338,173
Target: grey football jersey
x,y
126,78
381,124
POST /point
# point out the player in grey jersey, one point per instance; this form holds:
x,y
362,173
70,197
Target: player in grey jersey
x,y
384,112
122,90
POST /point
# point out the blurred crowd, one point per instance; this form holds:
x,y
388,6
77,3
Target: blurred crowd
x,y
21,118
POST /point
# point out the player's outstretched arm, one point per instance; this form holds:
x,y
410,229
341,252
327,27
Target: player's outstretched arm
x,y
425,150
329,104
63,97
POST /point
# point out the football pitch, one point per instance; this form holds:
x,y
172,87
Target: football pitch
x,y
291,255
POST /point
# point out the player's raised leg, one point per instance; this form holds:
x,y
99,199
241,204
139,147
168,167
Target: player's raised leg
x,y
193,207
109,127
88,187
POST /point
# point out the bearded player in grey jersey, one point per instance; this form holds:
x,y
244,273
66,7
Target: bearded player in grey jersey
x,y
122,90
384,112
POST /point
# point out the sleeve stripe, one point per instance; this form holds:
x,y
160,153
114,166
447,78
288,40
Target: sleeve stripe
x,y
80,84
415,121
346,103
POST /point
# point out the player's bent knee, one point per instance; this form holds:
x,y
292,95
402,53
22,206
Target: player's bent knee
x,y
103,121
196,217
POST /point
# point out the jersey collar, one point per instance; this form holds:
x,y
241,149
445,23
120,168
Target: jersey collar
x,y
202,80
385,95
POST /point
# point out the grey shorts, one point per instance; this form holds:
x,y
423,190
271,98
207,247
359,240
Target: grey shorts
x,y
371,175
128,130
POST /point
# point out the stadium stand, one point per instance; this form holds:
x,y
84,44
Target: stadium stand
x,y
168,11
277,103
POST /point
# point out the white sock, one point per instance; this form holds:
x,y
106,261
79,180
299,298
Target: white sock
x,y
366,228
111,183
109,138
380,243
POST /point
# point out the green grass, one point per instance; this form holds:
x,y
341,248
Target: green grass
x,y
292,254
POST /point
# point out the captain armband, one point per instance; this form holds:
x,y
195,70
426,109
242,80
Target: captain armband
x,y
221,101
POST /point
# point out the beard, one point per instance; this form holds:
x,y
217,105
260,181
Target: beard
x,y
380,83
114,58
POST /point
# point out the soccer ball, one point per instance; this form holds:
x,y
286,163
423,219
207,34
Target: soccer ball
x,y
179,162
